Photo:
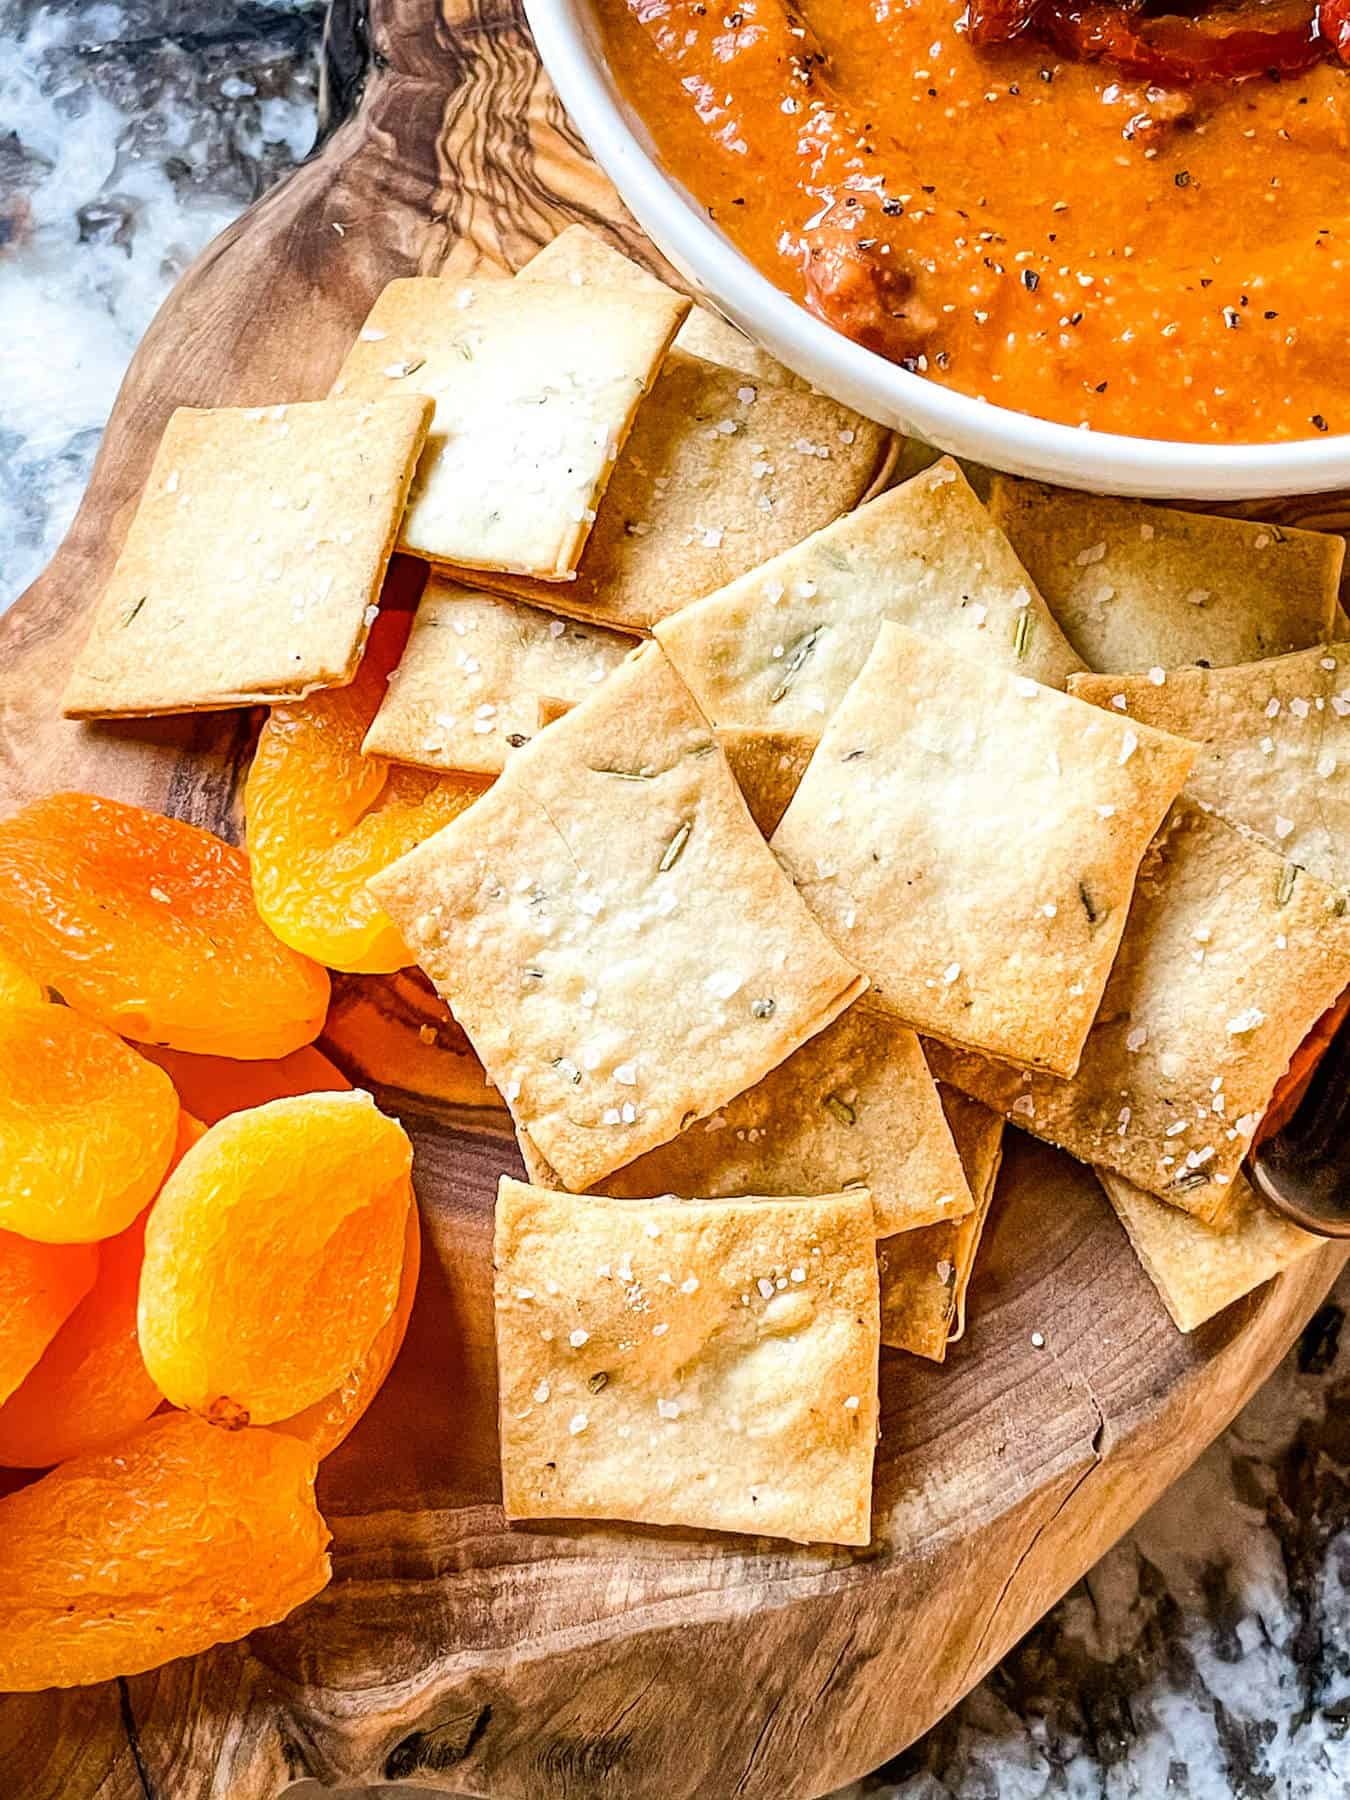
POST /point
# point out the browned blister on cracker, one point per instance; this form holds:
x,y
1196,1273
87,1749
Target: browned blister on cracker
x,y
254,561
701,1363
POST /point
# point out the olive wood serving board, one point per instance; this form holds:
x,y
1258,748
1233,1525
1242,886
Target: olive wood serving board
x,y
555,1663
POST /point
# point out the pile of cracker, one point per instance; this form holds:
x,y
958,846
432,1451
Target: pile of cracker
x,y
832,825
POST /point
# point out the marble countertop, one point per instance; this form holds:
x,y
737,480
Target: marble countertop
x,y
1207,1656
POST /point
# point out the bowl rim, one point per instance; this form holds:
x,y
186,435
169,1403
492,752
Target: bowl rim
x,y
994,434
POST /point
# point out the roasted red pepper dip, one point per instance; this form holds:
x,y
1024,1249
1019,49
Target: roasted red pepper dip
x,y
1078,209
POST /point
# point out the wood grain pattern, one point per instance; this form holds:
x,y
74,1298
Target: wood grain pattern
x,y
565,1662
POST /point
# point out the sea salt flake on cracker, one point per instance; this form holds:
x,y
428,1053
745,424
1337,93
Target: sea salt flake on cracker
x,y
255,557
468,689
777,649
1164,588
615,856
1274,950
854,1107
535,390
957,826
728,1375
1274,746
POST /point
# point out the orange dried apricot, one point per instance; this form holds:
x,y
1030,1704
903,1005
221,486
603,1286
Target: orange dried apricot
x,y
324,1425
90,1385
41,1285
86,1127
272,1256
17,986
321,817
147,924
175,1538
212,1087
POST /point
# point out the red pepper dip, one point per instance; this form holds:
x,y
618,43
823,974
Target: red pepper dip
x,y
1084,210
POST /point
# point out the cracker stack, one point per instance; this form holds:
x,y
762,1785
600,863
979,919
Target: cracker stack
x,y
673,611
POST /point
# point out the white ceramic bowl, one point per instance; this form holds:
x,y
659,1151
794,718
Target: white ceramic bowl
x,y
570,44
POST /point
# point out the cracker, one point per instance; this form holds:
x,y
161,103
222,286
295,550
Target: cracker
x,y
476,668
1225,965
925,1274
972,839
719,475
255,557
579,256
768,766
1137,586
535,389
706,1363
776,650
1275,745
1198,1271
854,1107
613,933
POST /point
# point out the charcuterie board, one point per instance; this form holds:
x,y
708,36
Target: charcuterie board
x,y
453,1651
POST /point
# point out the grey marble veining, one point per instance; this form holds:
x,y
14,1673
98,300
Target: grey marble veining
x,y
1206,1657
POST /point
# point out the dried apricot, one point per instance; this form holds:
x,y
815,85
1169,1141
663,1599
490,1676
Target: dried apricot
x,y
148,925
175,1538
321,817
90,1385
41,1285
86,1127
272,1256
17,986
212,1087
324,1425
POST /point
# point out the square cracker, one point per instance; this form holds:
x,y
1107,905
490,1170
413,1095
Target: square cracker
x,y
535,389
855,1107
719,474
972,839
702,1363
469,687
768,766
777,649
925,1274
1225,966
613,933
1196,1270
255,557
579,256
1274,745
1137,586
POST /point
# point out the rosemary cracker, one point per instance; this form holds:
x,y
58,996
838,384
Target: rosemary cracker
x,y
719,474
1137,586
972,838
535,389
855,1107
1225,966
469,686
1274,745
1196,1270
255,557
925,1274
579,256
777,649
613,933
702,1363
